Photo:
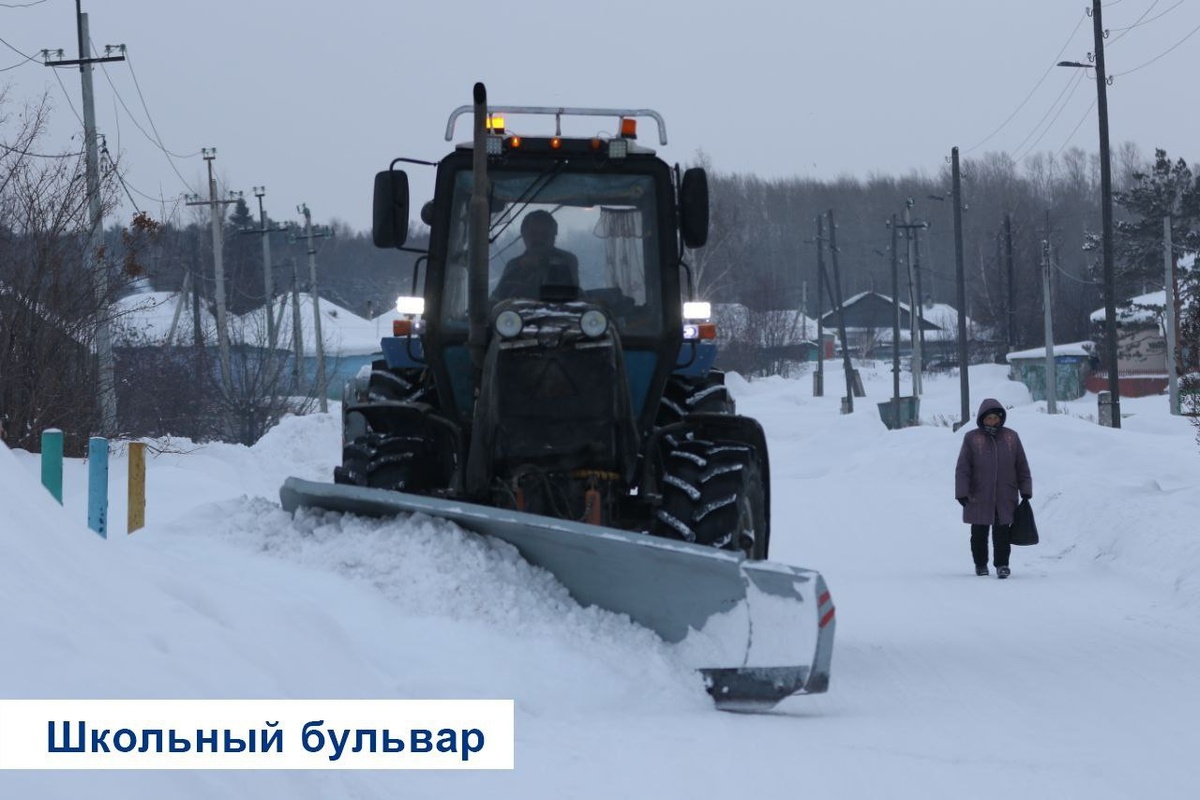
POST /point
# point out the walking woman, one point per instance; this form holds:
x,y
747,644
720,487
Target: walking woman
x,y
991,471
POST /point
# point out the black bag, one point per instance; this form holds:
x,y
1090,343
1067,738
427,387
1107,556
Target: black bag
x,y
1024,529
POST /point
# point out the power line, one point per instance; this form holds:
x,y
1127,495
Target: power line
x,y
1124,31
22,5
67,95
1140,22
1021,105
112,165
1061,103
32,154
1190,34
1071,135
156,139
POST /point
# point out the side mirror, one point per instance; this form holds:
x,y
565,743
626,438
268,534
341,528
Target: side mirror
x,y
693,207
389,220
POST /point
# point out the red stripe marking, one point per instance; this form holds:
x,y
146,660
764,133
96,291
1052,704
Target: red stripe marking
x,y
825,620
823,599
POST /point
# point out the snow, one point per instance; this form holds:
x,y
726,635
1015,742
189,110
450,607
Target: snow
x,y
1069,680
1083,349
1145,309
145,319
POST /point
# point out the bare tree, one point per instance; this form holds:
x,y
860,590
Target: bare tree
x,y
49,308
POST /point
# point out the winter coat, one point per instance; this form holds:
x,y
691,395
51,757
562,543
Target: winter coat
x,y
991,471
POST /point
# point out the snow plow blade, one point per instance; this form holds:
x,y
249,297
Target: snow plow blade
x,y
757,631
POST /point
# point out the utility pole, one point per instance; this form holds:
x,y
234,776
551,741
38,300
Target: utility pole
x,y
920,292
310,234
1169,313
1047,314
93,261
837,282
215,213
1110,298
1011,303
297,332
914,321
265,232
819,375
895,321
960,290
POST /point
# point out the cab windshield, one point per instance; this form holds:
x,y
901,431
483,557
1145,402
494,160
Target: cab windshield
x,y
582,235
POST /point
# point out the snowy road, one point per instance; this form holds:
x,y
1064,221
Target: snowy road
x,y
1070,680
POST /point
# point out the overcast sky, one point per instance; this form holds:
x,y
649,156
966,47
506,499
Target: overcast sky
x,y
310,99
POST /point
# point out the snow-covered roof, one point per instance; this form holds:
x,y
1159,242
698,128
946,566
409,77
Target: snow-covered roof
x,y
1069,349
343,332
1143,309
146,318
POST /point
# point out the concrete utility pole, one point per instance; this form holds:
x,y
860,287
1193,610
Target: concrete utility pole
x,y
1169,313
216,214
1110,298
297,332
265,232
1051,371
310,234
92,259
960,291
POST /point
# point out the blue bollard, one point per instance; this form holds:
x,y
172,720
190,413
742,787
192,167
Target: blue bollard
x,y
52,462
98,485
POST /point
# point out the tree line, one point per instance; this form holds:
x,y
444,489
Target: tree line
x,y
761,254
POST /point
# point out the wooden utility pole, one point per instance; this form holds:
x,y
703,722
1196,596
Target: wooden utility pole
x,y
960,290
93,259
837,284
819,375
895,321
1010,311
914,320
1111,415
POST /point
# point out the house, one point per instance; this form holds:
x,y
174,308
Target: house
x,y
1141,347
870,319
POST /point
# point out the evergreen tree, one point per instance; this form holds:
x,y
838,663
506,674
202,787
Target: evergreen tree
x,y
1168,189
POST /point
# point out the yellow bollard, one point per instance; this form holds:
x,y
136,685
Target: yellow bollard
x,y
137,486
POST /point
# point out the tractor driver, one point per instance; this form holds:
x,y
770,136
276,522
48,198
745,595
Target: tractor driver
x,y
541,263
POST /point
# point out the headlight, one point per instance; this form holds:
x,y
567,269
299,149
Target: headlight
x,y
697,310
509,324
412,306
593,323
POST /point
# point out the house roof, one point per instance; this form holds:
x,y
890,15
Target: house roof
x,y
1068,349
145,319
875,311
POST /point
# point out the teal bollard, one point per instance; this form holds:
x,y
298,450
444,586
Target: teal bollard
x,y
52,462
98,485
